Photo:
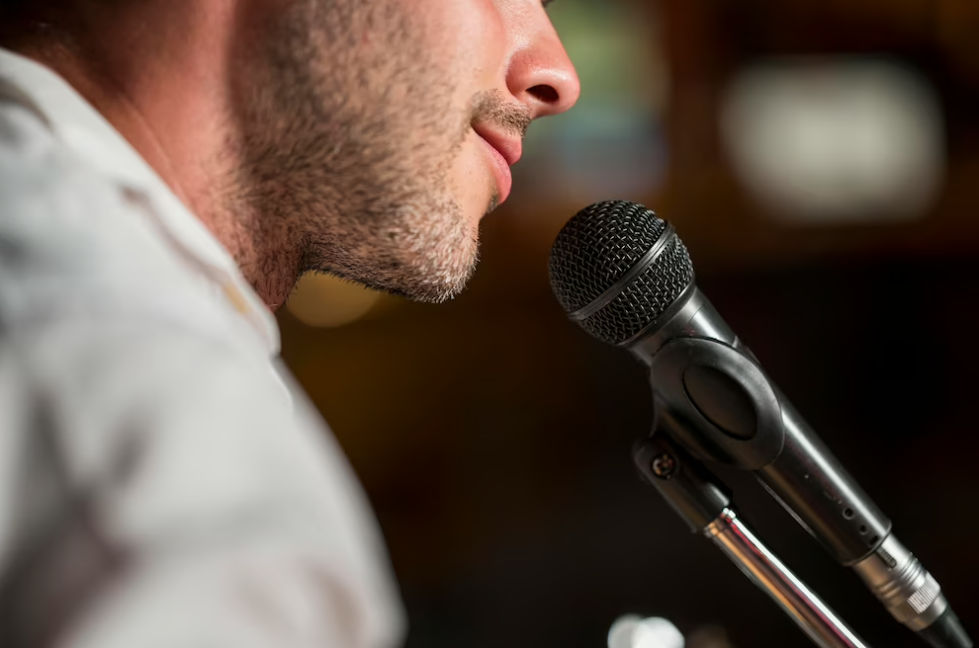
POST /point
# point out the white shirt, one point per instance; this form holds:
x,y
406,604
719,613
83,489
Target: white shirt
x,y
162,484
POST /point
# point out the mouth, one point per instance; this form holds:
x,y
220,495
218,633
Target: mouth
x,y
503,152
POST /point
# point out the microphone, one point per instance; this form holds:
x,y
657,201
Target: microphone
x,y
625,277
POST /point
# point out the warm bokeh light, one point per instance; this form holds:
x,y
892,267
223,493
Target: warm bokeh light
x,y
632,631
836,140
325,301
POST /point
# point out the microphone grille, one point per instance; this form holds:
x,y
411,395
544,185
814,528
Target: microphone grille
x,y
597,247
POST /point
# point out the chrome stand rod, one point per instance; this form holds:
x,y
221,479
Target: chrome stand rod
x,y
762,566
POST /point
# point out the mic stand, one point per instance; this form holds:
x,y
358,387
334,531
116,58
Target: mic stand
x,y
696,495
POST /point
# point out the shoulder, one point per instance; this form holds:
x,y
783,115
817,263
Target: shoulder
x,y
43,182
70,236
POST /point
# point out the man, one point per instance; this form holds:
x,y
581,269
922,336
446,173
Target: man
x,y
168,170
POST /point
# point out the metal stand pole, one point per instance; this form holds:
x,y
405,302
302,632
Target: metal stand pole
x,y
698,498
792,595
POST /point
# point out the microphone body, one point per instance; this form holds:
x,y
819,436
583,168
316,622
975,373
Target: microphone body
x,y
714,398
626,278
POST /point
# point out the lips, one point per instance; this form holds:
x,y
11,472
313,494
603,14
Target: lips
x,y
504,152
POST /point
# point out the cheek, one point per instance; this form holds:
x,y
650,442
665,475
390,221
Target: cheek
x,y
469,36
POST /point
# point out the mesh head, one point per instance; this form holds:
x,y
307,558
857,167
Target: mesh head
x,y
599,245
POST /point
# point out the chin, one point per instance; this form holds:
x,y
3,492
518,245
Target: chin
x,y
482,207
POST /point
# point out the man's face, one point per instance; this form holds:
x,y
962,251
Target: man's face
x,y
379,132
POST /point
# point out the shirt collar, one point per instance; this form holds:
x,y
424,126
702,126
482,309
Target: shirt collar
x,y
83,129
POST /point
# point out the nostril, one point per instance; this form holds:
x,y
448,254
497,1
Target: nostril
x,y
544,93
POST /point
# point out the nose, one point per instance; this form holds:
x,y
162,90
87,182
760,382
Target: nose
x,y
540,74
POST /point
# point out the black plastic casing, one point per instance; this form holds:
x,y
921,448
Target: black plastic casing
x,y
688,487
714,399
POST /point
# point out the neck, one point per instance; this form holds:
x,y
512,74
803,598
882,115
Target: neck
x,y
160,72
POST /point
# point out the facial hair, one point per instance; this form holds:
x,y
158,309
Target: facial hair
x,y
348,137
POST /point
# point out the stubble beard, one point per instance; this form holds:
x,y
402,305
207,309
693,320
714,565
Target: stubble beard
x,y
345,156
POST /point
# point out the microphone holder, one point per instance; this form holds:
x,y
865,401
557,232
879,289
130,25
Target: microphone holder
x,y
699,499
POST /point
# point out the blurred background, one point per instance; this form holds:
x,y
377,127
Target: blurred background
x,y
820,159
